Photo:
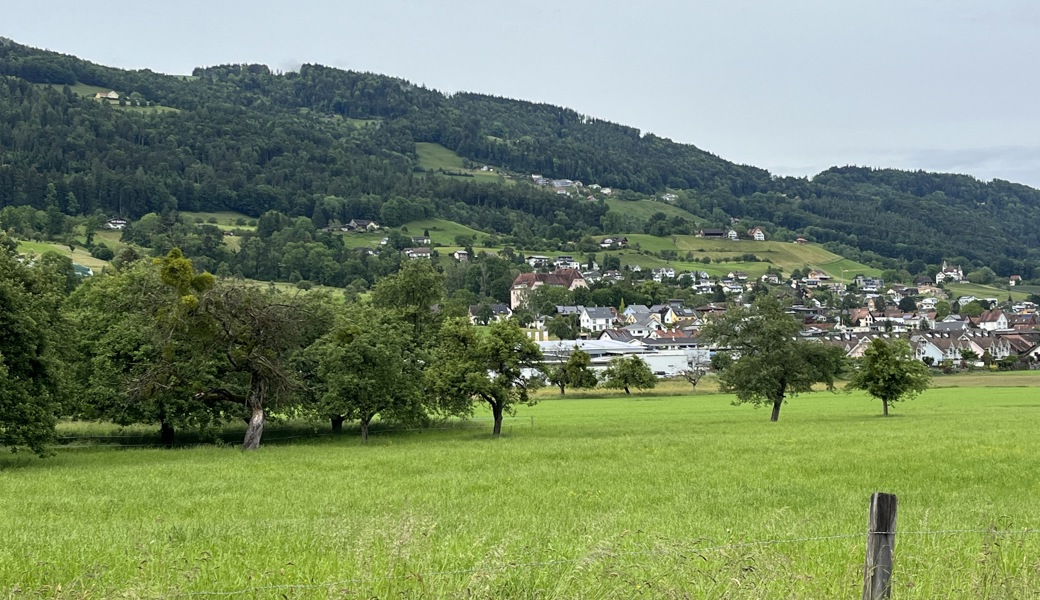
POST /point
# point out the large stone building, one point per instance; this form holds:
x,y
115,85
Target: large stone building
x,y
525,282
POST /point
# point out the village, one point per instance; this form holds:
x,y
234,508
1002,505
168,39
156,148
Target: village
x,y
1003,335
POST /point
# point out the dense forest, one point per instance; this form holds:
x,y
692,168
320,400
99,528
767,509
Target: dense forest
x,y
333,145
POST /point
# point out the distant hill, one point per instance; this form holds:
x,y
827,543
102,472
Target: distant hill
x,y
325,143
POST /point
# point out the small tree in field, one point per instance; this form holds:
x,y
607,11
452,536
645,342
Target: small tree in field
x,y
576,372
492,368
889,373
632,372
767,361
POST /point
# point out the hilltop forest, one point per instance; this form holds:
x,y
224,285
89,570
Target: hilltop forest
x,y
333,145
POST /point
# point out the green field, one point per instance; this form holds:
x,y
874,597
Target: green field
x,y
442,232
657,497
225,219
642,209
985,291
438,158
89,91
785,255
79,255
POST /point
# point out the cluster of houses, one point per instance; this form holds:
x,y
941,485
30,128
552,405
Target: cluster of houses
x,y
755,233
1011,332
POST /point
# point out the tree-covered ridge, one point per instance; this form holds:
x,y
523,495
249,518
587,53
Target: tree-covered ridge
x,y
332,145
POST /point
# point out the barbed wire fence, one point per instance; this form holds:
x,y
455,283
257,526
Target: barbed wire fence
x,y
592,556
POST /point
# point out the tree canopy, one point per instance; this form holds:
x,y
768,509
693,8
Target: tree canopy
x,y
889,372
626,373
31,375
496,368
768,362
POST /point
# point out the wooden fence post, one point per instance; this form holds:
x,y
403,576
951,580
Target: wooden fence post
x,y
881,541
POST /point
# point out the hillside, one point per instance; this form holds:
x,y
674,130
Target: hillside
x,y
332,145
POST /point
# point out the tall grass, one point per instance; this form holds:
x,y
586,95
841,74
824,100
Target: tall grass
x,y
662,497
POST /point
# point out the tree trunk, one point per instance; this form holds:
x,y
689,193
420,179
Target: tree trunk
x,y
255,403
562,391
496,409
627,392
885,404
778,401
364,430
166,434
337,423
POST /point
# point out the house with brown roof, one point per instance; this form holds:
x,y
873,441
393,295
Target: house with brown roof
x,y
571,279
991,320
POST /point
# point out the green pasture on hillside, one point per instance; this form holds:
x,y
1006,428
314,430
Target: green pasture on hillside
x,y
225,219
644,496
436,157
442,231
643,209
985,291
78,255
89,91
785,255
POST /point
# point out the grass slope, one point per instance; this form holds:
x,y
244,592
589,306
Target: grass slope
x,y
642,209
985,291
785,255
89,91
442,232
79,255
438,158
661,497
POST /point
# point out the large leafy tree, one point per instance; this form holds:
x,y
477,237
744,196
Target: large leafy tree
x,y
144,347
769,362
626,373
364,367
257,332
413,292
576,372
889,372
493,368
31,372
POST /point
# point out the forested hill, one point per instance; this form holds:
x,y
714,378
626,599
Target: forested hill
x,y
343,144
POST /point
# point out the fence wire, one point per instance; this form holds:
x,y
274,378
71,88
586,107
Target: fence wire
x,y
589,557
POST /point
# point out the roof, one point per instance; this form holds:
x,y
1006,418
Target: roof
x,y
599,312
991,316
562,277
496,309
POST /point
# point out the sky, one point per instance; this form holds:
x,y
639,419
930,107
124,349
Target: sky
x,y
793,87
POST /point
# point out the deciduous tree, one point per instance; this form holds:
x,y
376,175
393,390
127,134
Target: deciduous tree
x,y
769,362
492,368
364,367
30,368
889,372
625,373
576,372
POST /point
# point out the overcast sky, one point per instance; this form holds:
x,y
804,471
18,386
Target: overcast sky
x,y
793,87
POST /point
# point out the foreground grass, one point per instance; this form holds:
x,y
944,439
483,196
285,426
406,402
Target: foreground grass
x,y
663,497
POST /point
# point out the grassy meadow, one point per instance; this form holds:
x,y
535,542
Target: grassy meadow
x,y
438,158
671,496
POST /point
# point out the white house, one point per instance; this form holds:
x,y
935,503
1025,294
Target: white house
x,y
757,234
949,273
992,320
596,318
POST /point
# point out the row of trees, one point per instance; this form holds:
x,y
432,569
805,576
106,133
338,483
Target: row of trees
x,y
764,361
158,342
